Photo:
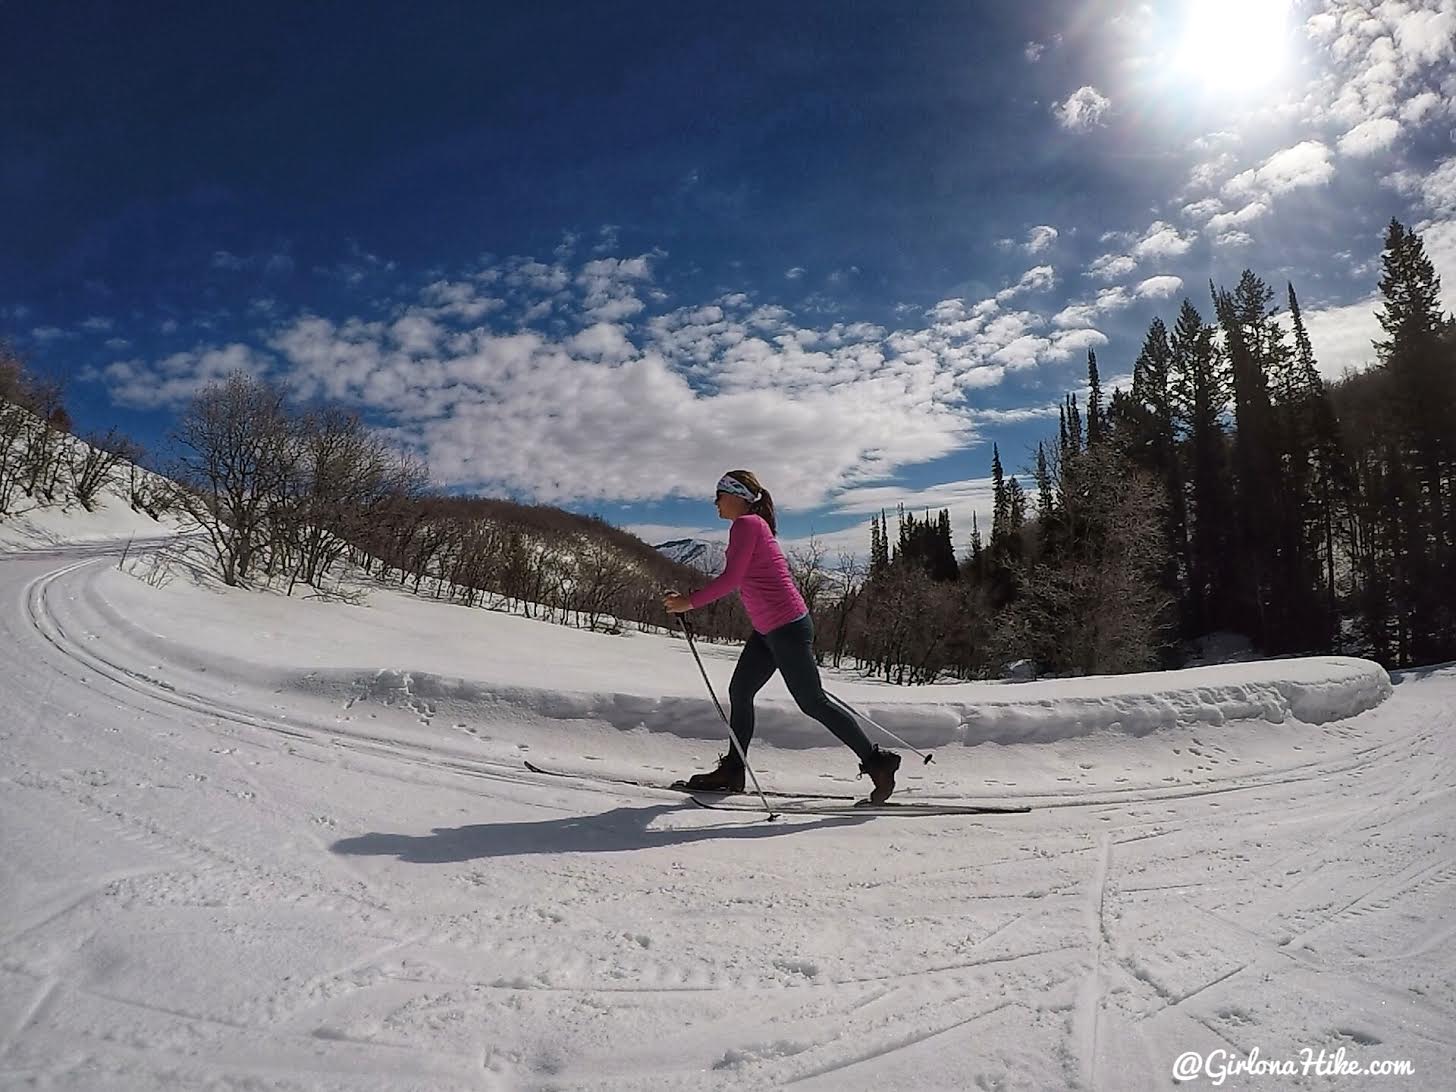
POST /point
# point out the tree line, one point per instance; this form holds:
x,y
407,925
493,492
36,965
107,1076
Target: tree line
x,y
1229,489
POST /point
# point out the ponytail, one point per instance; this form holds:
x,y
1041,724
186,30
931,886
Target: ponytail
x,y
764,506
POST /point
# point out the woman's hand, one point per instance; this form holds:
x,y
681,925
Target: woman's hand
x,y
677,604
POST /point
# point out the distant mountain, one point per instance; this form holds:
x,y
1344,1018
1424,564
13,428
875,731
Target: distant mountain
x,y
704,556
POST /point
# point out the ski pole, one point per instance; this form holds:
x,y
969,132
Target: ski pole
x,y
688,633
928,757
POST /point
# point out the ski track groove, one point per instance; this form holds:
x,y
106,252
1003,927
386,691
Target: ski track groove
x,y
1093,993
903,1043
45,996
1309,961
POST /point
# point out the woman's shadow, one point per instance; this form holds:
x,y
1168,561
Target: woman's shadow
x,y
617,831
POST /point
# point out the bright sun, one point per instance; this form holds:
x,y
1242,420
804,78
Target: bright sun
x,y
1230,45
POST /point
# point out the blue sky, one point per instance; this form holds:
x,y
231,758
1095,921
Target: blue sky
x,y
594,258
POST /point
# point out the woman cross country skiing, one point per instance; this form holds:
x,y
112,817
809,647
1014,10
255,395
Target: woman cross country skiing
x,y
782,640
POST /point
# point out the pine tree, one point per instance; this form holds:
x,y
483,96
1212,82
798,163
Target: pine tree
x,y
1147,433
977,558
1016,519
879,546
946,567
1001,513
1243,315
1199,396
1096,421
1327,484
1046,505
1417,356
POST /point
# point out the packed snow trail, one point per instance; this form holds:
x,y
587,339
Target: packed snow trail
x,y
213,876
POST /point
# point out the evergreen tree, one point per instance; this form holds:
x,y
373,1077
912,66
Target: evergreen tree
x,y
1416,355
1016,519
1244,316
1001,513
1325,481
879,546
977,558
1147,434
1199,396
1046,507
1096,421
945,567
1071,430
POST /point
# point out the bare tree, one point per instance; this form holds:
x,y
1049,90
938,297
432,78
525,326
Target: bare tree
x,y
237,455
92,462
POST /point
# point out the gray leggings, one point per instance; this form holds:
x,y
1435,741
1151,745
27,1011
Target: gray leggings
x,y
790,651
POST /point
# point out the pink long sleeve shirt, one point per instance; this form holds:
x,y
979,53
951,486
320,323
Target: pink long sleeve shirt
x,y
756,567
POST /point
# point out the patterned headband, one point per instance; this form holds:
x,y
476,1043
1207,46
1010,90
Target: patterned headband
x,y
729,484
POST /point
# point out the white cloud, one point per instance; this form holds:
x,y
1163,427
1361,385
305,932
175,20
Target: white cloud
x,y
1202,210
610,284
594,408
1305,164
602,341
1111,266
460,299
1438,188
567,247
1381,53
1158,287
1341,336
1224,222
1415,110
795,273
1076,315
1040,238
1206,175
1161,241
1083,110
416,333
1439,238
1234,238
1425,36
1066,344
1113,299
1369,137
171,383
1039,279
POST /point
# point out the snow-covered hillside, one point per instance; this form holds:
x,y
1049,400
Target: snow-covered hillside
x,y
698,553
247,840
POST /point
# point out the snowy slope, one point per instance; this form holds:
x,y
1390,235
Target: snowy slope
x,y
253,841
698,553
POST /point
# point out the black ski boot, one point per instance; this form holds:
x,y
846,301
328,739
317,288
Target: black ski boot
x,y
728,777
881,767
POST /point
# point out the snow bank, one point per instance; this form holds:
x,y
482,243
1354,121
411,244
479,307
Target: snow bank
x,y
433,659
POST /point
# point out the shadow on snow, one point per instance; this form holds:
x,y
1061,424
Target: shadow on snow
x,y
617,831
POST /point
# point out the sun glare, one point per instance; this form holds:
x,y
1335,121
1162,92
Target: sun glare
x,y
1232,45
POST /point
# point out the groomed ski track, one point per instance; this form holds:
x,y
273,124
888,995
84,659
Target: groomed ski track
x,y
210,881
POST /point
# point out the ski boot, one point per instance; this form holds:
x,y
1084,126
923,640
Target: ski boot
x,y
727,777
881,767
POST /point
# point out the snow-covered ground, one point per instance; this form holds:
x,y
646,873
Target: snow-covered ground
x,y
256,842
